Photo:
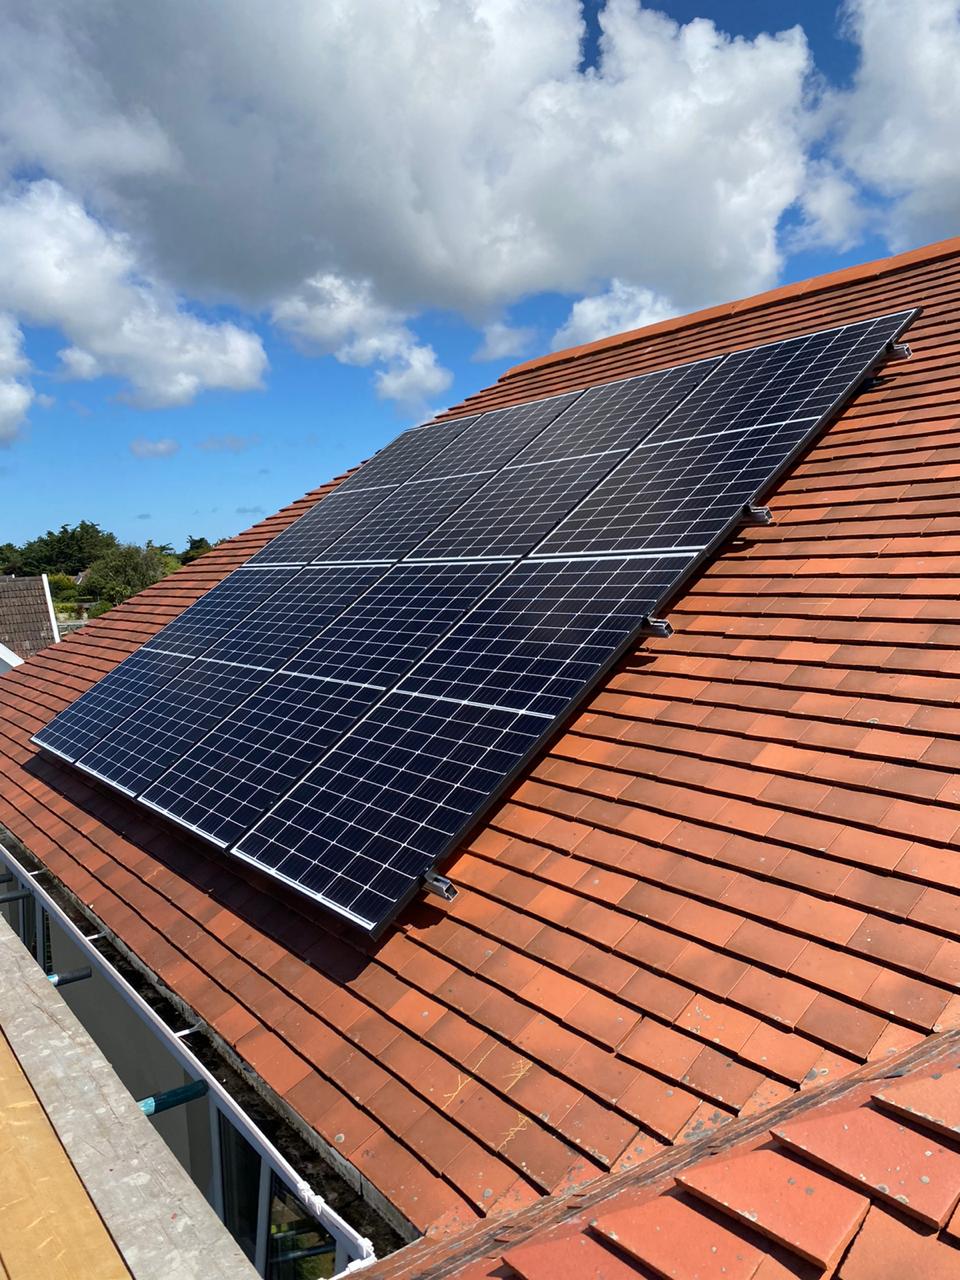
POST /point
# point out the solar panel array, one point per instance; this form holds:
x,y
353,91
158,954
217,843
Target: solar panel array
x,y
339,710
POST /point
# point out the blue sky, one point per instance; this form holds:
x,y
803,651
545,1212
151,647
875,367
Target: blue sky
x,y
248,308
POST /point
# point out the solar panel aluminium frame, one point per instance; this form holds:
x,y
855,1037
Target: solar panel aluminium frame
x,y
556,726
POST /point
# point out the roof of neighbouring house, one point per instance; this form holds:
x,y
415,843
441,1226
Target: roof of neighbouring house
x,y
27,620
733,877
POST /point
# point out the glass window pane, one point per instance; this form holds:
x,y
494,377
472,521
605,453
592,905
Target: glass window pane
x,y
299,1249
241,1186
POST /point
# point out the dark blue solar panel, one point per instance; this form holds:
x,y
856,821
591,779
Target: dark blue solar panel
x,y
295,614
797,380
545,632
515,509
227,781
491,441
383,633
205,622
362,829
322,526
675,496
150,739
403,458
88,720
616,415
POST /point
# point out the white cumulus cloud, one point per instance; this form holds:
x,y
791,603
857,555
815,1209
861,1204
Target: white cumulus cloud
x,y
897,126
502,341
332,315
61,267
16,395
620,307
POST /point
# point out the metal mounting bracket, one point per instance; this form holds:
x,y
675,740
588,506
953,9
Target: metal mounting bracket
x,y
757,515
901,351
440,885
658,627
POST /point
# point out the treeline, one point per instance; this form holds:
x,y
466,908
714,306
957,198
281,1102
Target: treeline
x,y
90,569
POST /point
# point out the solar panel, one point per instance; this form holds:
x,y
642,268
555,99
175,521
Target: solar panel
x,y
382,634
296,613
215,613
549,628
320,527
798,379
226,782
515,509
148,740
380,808
676,496
86,722
443,609
616,415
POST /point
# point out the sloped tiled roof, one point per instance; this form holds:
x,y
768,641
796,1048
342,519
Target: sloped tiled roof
x,y
733,877
862,1184
27,624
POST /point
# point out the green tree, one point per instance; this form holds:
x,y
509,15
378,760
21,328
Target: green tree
x,y
123,571
11,558
63,587
195,548
70,549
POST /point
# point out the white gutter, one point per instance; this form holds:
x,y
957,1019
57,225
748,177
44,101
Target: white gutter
x,y
53,617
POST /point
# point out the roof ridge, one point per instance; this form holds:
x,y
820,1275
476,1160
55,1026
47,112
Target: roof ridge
x,y
816,284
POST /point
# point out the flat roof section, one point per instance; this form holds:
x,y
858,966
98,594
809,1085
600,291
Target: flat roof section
x,y
87,1187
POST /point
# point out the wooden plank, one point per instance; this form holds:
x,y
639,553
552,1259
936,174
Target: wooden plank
x,y
48,1224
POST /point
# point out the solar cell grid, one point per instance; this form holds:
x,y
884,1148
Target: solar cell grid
x,y
616,415
227,781
383,633
802,377
675,495
321,526
366,824
213,615
403,519
148,741
496,437
95,713
295,614
544,632
515,509
402,458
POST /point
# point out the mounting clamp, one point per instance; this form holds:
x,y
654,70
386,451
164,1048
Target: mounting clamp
x,y
440,885
901,351
658,627
757,515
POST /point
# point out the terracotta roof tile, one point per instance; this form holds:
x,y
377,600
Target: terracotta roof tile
x,y
734,874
